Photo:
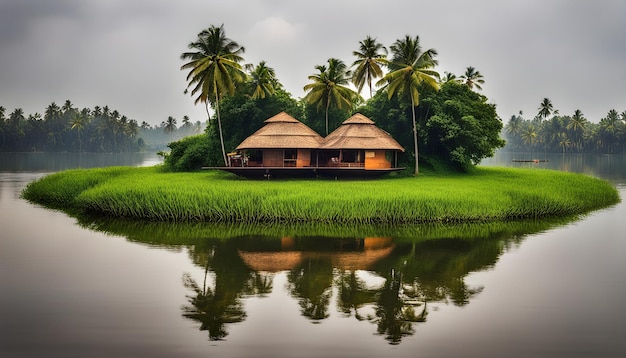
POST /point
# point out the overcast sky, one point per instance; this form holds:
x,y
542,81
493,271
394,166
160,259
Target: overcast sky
x,y
126,53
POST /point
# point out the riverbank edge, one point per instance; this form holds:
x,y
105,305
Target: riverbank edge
x,y
488,194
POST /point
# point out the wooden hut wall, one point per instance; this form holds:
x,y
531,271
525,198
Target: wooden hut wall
x,y
376,159
273,158
304,158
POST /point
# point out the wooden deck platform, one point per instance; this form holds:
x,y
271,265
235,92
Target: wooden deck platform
x,y
305,172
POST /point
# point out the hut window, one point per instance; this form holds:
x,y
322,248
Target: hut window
x,y
370,154
291,154
352,156
256,155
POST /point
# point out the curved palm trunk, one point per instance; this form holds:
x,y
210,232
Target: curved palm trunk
x,y
415,137
206,107
219,126
327,106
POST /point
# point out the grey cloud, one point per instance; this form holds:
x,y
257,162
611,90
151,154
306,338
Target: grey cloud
x,y
125,53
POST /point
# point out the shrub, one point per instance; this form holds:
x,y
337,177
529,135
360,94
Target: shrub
x,y
192,153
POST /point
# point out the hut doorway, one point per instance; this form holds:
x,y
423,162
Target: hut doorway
x,y
352,157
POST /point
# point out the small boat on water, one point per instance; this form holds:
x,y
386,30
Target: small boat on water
x,y
530,161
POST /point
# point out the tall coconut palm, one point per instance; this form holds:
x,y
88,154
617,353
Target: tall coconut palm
x,y
545,108
529,135
609,129
370,56
448,77
514,129
169,125
214,70
472,78
329,86
514,126
186,121
563,141
78,122
577,124
262,81
410,67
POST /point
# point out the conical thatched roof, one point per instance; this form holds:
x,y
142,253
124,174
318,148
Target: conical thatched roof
x,y
359,132
282,131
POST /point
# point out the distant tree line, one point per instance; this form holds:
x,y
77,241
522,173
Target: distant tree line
x,y
549,131
70,129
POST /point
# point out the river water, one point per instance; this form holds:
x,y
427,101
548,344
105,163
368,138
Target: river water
x,y
91,287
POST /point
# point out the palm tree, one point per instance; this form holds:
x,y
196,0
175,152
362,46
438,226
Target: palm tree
x,y
132,128
514,126
563,140
472,78
609,129
170,125
330,87
410,67
370,56
529,135
545,108
214,70
78,123
186,121
447,77
263,81
514,129
577,124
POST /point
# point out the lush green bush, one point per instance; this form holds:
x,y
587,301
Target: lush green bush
x,y
192,153
463,127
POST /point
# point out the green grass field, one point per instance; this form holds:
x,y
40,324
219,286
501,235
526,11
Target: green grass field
x,y
487,194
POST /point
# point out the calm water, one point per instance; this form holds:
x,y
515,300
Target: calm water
x,y
91,287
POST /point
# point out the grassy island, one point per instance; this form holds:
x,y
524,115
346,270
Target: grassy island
x,y
486,194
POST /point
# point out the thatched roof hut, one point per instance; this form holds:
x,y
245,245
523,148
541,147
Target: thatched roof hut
x,y
359,132
282,131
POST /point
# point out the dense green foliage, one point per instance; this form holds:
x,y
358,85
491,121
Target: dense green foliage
x,y
487,194
464,128
191,153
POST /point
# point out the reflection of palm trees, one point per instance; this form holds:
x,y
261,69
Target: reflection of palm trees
x,y
212,308
353,294
220,305
311,283
395,311
417,273
259,284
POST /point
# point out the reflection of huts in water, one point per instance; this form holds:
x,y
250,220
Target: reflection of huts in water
x,y
285,146
358,142
282,142
368,253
